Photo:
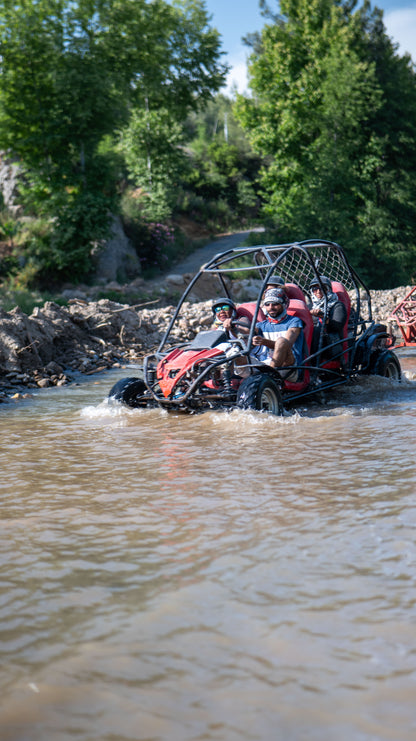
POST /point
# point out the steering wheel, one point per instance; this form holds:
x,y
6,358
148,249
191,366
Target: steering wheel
x,y
240,324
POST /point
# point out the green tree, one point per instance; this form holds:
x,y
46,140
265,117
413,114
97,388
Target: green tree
x,y
72,75
167,54
324,81
73,71
178,78
57,98
154,158
223,168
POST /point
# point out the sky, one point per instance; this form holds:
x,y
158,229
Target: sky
x,y
235,18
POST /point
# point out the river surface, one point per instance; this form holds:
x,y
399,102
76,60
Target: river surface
x,y
219,577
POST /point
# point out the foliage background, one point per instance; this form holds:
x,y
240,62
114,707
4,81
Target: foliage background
x,y
114,106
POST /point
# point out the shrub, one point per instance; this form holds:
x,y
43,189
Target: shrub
x,y
154,244
59,249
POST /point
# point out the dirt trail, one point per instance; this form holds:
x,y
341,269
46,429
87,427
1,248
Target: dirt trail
x,y
193,262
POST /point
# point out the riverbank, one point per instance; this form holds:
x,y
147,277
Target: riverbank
x,y
53,345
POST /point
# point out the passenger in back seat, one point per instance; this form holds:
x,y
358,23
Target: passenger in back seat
x,y
333,327
275,281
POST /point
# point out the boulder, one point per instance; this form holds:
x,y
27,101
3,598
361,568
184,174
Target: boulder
x,y
9,177
116,259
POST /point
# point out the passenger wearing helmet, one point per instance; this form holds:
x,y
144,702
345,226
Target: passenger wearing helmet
x,y
279,339
275,281
329,315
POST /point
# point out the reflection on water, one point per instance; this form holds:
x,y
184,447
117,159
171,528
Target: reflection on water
x,y
219,576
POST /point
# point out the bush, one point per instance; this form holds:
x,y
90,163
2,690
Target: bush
x,y
154,243
59,249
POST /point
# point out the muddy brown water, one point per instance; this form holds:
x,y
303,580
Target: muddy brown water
x,y
213,577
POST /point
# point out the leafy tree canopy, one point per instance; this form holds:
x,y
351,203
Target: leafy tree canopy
x,y
333,111
222,164
76,75
73,70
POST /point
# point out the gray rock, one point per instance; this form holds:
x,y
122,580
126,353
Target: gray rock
x,y
116,259
44,383
54,368
176,281
9,176
71,293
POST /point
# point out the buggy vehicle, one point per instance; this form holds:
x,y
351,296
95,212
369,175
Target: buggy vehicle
x,y
217,371
405,316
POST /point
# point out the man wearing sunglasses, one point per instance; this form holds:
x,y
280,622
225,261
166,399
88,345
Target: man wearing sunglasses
x,y
279,338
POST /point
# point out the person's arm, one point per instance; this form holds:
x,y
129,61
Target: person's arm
x,y
240,324
317,312
292,334
259,340
337,318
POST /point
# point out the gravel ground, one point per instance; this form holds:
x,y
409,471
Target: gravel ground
x,y
56,343
53,345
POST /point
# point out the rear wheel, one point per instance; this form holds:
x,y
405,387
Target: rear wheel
x,y
387,365
262,393
129,391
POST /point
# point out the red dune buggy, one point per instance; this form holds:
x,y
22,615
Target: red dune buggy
x,y
216,371
405,316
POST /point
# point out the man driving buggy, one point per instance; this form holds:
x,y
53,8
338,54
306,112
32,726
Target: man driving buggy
x,y
225,317
279,339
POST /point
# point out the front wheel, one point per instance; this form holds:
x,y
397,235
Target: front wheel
x,y
262,393
387,365
129,391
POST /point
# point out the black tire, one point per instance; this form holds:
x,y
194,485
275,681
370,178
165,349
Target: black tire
x,y
387,365
262,393
127,390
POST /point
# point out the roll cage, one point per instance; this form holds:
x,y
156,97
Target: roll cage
x,y
297,263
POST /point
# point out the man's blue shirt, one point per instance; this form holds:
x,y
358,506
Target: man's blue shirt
x,y
272,330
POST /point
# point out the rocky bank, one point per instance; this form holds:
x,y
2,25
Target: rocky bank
x,y
55,344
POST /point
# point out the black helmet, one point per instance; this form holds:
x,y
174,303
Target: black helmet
x,y
275,280
223,302
325,282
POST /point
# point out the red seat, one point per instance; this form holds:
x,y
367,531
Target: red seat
x,y
293,291
343,296
298,308
248,310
